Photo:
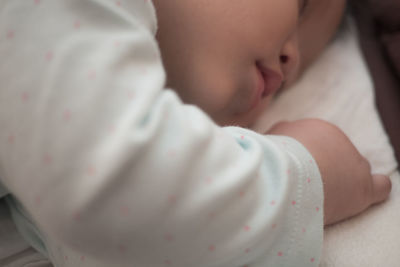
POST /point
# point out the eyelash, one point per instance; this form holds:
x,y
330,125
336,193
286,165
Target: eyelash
x,y
304,7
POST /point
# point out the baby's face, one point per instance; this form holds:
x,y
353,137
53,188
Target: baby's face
x,y
230,57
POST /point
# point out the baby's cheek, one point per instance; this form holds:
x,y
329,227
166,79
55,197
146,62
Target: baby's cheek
x,y
265,103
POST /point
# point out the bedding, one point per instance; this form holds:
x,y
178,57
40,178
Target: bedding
x,y
14,251
338,88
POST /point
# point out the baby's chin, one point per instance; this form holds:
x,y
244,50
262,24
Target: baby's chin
x,y
245,120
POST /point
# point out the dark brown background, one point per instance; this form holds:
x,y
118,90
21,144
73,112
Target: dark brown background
x,y
378,22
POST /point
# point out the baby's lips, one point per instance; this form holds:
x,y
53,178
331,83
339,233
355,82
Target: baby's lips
x,y
273,81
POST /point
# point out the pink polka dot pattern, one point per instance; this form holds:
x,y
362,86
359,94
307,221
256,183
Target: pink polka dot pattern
x,y
10,34
77,24
37,200
67,115
169,237
91,171
47,159
92,75
171,153
209,180
211,215
11,139
165,116
172,199
124,211
112,129
143,71
76,216
24,97
49,56
121,248
131,95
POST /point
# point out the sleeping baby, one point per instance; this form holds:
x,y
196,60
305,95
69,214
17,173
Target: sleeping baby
x,y
125,141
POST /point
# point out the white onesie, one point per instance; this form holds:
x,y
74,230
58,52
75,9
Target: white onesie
x,y
115,170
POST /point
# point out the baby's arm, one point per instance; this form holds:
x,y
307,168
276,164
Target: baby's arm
x,y
349,187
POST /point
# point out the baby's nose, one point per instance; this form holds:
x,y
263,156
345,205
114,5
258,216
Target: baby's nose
x,y
289,58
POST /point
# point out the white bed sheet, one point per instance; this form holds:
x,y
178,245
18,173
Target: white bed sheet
x,y
338,88
14,251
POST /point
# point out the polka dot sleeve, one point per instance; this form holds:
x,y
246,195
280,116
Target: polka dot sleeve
x,y
115,170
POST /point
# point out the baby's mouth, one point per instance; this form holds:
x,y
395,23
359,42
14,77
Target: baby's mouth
x,y
272,80
268,83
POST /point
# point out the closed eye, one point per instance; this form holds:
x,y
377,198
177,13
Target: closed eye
x,y
303,4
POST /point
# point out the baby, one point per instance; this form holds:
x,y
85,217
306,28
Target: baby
x,y
104,165
220,73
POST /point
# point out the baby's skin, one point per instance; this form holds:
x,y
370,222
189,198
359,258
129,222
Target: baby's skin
x,y
349,187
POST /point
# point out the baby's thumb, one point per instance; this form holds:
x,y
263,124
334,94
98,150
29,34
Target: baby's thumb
x,y
381,188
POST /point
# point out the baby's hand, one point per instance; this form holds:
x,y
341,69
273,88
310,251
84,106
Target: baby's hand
x,y
349,187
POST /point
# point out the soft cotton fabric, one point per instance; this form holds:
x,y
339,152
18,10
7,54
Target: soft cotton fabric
x,y
114,170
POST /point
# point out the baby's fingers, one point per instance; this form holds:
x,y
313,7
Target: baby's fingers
x,y
381,188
